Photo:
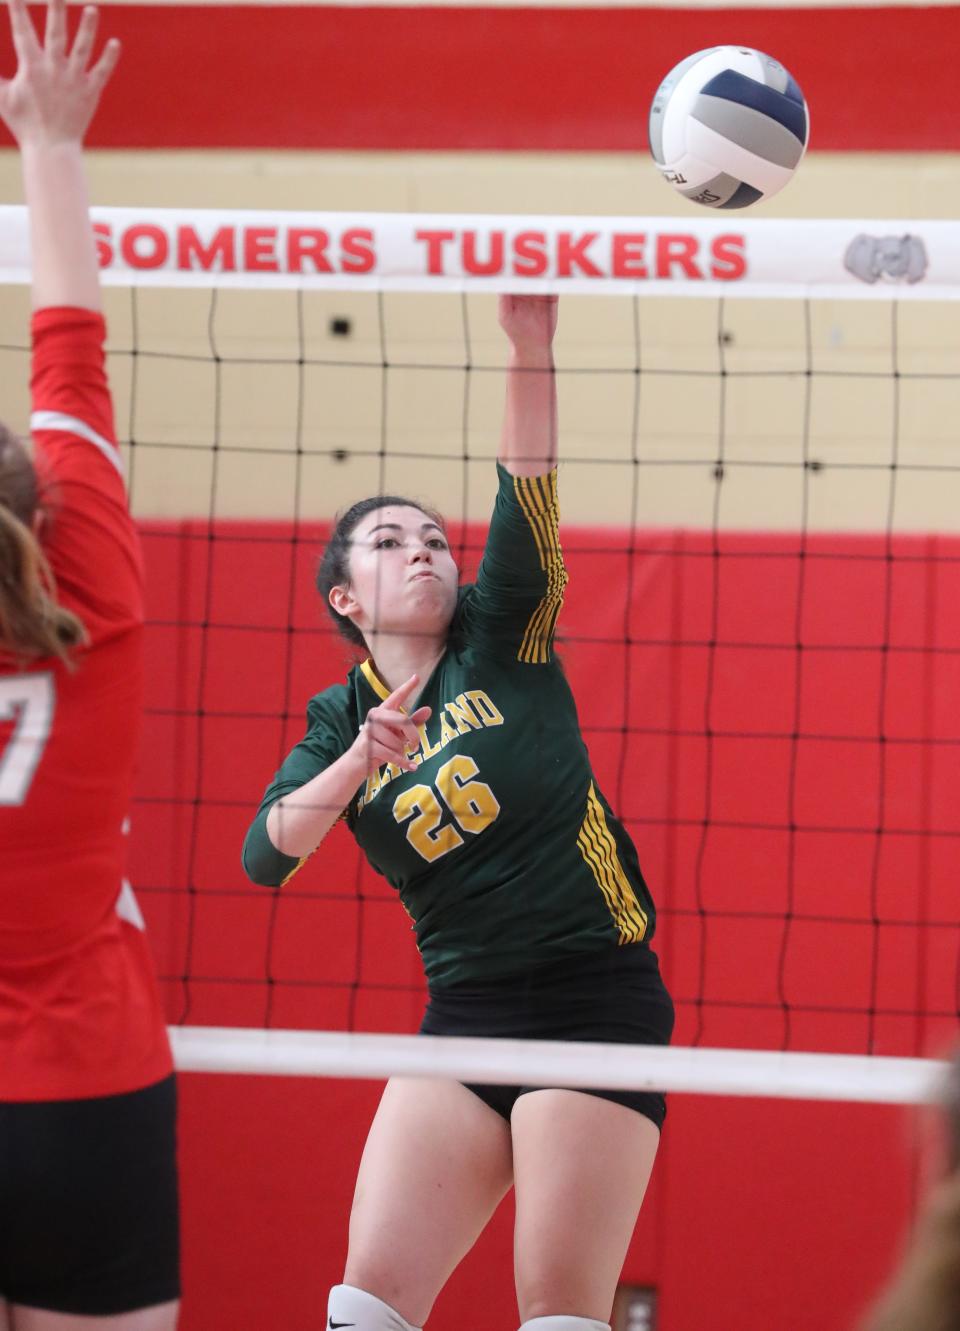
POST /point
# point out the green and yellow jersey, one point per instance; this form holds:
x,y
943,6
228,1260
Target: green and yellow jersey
x,y
500,844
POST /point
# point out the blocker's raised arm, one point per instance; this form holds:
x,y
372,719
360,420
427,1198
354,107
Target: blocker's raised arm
x,y
47,105
528,445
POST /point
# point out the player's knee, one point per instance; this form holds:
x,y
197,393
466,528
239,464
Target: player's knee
x,y
564,1324
352,1307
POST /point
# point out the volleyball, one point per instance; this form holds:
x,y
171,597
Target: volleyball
x,y
728,127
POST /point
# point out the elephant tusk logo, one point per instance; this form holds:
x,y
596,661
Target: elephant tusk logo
x,y
887,258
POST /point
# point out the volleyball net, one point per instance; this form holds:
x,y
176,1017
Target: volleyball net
x,y
760,492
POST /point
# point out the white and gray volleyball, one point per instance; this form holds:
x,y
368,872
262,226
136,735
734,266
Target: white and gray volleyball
x,y
728,127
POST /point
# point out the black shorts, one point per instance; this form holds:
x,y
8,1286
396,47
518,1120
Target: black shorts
x,y
615,996
89,1218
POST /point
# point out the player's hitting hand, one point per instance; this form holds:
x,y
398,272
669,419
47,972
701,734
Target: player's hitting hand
x,y
529,321
51,98
389,731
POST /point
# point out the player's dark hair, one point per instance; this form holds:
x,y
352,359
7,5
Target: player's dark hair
x,y
32,624
925,1294
334,569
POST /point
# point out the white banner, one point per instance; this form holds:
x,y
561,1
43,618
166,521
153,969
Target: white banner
x,y
717,255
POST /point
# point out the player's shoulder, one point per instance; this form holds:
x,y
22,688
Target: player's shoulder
x,y
332,706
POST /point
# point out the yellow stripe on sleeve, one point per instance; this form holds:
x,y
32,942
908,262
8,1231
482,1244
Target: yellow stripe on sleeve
x,y
295,870
599,850
537,497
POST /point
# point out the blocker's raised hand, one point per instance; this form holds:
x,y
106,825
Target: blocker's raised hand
x,y
52,96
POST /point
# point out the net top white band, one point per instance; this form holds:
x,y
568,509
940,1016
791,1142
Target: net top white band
x,y
839,1077
697,255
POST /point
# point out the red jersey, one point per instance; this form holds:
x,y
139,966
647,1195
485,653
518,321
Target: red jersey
x,y
80,1014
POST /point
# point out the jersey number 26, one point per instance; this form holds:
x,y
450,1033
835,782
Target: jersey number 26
x,y
472,803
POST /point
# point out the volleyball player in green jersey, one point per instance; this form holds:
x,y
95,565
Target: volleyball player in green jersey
x,y
455,754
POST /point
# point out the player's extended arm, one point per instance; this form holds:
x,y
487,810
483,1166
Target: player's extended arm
x,y
528,444
47,106
298,822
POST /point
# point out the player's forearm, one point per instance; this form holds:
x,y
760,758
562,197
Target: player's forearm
x,y
63,252
528,444
298,822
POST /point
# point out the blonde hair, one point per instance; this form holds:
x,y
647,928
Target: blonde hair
x,y
925,1294
32,624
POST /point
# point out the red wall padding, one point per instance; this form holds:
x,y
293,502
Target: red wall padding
x,y
221,76
786,919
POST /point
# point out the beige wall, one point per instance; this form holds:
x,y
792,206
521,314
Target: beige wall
x,y
827,185
676,422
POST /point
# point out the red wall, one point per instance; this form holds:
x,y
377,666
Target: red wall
x,y
503,78
786,919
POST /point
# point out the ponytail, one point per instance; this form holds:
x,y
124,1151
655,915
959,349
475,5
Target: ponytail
x,y
32,624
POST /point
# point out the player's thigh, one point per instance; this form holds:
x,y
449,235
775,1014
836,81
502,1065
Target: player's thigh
x,y
5,1324
436,1162
581,1167
162,1317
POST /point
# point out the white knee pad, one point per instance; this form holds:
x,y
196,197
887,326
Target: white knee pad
x,y
564,1324
350,1307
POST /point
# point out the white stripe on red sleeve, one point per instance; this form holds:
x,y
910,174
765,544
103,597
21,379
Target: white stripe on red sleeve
x,y
56,420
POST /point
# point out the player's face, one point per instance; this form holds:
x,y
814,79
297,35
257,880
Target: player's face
x,y
402,575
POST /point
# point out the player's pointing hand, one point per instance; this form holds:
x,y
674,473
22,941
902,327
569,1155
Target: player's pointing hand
x,y
389,731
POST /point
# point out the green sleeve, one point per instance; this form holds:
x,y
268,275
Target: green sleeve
x,y
262,862
512,608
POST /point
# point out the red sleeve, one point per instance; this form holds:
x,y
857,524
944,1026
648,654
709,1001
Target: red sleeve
x,y
89,536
